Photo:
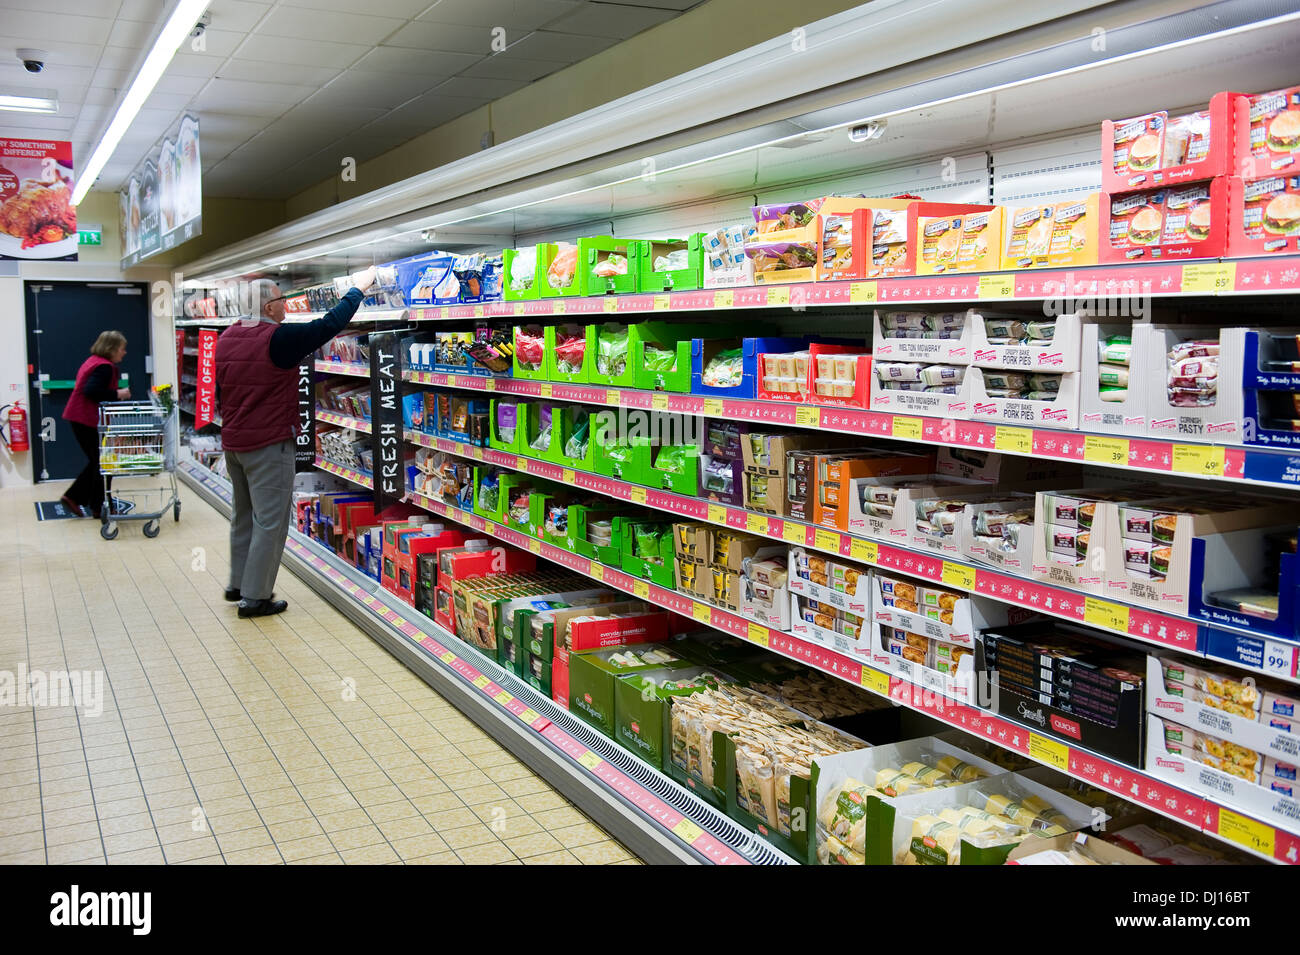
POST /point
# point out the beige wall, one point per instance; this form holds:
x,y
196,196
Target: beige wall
x,y
714,30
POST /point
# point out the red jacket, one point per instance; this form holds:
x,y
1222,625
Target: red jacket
x,y
81,409
259,402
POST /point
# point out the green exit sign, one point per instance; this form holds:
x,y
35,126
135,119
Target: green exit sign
x,y
92,236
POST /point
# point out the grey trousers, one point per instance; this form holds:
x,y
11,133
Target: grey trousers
x,y
262,482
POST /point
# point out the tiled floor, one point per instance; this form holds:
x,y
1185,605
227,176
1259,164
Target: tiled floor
x,y
292,739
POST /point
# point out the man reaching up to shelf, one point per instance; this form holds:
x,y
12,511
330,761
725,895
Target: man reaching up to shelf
x,y
257,392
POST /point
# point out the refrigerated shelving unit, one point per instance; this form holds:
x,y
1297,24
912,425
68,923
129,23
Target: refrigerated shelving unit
x,y
1002,107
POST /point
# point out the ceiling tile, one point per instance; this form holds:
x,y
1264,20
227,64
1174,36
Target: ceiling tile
x,y
120,58
99,96
214,42
520,15
194,64
611,20
561,47
285,93
256,70
151,10
238,15
172,101
423,35
328,25
39,26
678,5
212,100
111,79
507,66
354,116
301,52
434,109
399,9
60,7
180,84
228,126
390,59
469,87
136,34
372,89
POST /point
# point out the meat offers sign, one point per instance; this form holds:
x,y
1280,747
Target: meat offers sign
x,y
37,218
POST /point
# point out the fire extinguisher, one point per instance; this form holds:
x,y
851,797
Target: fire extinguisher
x,y
17,420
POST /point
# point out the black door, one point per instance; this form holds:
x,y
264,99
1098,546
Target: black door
x,y
63,321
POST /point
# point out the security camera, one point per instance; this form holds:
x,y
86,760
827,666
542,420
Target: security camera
x,y
33,60
865,132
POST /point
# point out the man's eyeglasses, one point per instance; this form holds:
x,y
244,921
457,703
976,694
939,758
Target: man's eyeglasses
x,y
276,299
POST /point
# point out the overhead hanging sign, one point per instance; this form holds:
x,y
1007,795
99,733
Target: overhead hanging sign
x,y
386,419
206,398
37,218
161,205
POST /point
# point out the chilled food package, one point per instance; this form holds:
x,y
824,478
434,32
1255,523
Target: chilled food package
x,y
1271,209
782,256
530,347
1224,755
785,218
523,269
1274,133
507,415
563,266
1192,374
1139,143
611,350
937,325
570,348
726,369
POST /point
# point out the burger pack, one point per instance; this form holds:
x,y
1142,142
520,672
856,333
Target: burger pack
x,y
1158,149
1051,236
1274,131
1265,215
1173,222
960,243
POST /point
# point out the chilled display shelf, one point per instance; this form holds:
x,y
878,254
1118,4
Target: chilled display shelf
x,y
347,473
691,830
189,380
1255,276
1132,784
206,322
362,315
1276,658
190,352
342,420
343,368
189,410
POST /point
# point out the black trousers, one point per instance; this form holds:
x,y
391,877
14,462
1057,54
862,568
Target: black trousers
x,y
89,488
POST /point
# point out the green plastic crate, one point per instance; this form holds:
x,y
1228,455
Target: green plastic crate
x,y
672,280
495,440
596,249
508,257
546,254
553,371
574,420
524,371
664,574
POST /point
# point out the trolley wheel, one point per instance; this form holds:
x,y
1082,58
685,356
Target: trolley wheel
x,y
176,511
108,531
151,528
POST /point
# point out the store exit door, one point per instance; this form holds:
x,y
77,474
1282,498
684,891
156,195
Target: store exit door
x,y
63,321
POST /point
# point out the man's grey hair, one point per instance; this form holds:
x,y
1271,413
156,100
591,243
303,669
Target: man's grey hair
x,y
260,292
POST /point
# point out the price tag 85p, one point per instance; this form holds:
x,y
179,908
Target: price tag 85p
x,y
702,612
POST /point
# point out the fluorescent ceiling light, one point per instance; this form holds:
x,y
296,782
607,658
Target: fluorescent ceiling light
x,y
30,102
183,17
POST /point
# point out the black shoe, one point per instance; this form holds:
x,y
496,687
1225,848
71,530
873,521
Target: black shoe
x,y
233,595
73,507
262,608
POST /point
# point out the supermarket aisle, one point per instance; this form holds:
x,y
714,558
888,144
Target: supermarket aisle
x,y
292,739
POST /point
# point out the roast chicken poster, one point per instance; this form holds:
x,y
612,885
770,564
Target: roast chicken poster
x,y
37,218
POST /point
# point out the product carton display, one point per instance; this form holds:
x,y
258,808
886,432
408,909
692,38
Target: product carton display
x,y
934,612
1053,235
1272,138
641,708
1184,399
667,265
1116,361
592,676
648,551
1248,580
529,359
567,355
1271,379
661,354
1070,542
728,368
1158,149
1057,680
1184,221
522,273
968,242
826,624
1264,214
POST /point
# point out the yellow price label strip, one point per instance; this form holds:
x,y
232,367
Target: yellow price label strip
x,y
659,402
478,311
589,759
503,697
1019,440
641,589
451,381
569,477
535,546
907,429
481,681
794,533
863,293
724,299
877,681
758,634
956,575
1213,278
1247,832
1199,459
638,495
702,613
519,308
756,524
866,551
447,657
713,407
662,303
806,417
546,390
826,540
598,570
997,286
490,384
610,304
557,308
1049,751
1113,451
687,831
613,396
778,296
717,514
1104,614
529,715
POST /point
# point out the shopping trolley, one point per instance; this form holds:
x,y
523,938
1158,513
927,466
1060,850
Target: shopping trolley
x,y
138,439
